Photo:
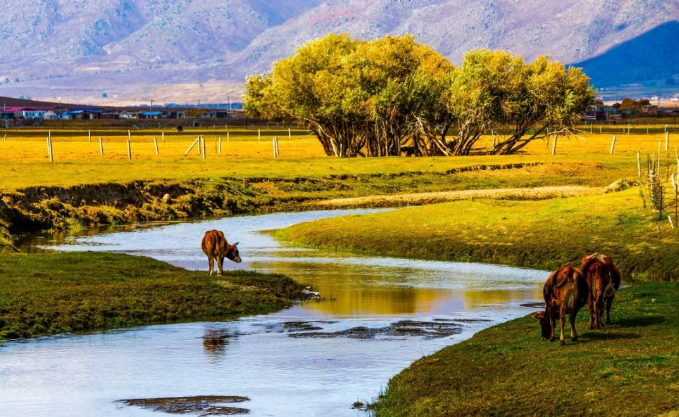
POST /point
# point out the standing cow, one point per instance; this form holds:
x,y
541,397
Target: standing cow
x,y
216,247
603,279
565,292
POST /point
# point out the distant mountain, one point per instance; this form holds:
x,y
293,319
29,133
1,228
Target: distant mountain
x,y
202,49
649,57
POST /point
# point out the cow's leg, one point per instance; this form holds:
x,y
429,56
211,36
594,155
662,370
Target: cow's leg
x,y
590,307
562,322
211,264
599,311
220,264
608,302
574,333
552,322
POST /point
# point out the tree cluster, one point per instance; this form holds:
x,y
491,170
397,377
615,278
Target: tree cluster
x,y
392,94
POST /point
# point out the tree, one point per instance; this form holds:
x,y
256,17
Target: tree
x,y
629,104
495,88
373,98
317,88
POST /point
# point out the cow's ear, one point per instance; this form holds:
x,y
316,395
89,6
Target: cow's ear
x,y
236,244
539,315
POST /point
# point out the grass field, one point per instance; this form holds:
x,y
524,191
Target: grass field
x,y
50,293
543,234
631,368
77,161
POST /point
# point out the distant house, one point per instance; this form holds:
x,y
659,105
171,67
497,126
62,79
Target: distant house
x,y
176,114
28,113
110,114
598,112
51,115
151,115
129,115
90,113
649,109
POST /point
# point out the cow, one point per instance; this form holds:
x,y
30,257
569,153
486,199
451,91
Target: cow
x,y
216,247
565,292
180,129
603,279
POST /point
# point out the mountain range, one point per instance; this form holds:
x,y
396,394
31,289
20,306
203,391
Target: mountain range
x,y
189,50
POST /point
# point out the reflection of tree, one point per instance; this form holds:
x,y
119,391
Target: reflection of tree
x,y
481,298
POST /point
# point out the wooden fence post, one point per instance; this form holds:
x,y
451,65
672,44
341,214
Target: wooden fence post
x,y
101,146
129,148
639,163
259,134
49,149
4,139
227,136
162,137
554,146
191,146
155,144
202,140
289,134
89,136
219,146
667,141
613,145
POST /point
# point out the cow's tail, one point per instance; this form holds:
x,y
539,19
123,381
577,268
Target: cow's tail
x,y
567,272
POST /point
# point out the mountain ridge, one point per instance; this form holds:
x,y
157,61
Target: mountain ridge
x,y
141,47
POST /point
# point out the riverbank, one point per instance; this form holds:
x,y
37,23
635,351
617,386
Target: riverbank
x,y
540,234
629,368
40,208
52,293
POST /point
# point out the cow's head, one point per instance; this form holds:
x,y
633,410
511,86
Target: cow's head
x,y
545,325
232,253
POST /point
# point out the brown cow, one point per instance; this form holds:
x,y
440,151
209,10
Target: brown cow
x,y
215,246
603,279
565,292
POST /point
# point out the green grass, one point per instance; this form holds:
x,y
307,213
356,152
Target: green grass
x,y
51,293
543,234
630,368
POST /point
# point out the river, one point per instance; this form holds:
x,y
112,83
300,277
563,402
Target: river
x,y
376,316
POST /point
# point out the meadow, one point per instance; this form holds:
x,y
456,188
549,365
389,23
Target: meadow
x,y
77,160
51,293
628,369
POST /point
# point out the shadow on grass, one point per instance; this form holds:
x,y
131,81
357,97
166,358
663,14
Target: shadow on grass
x,y
640,321
593,336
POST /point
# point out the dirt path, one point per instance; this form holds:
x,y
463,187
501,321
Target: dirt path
x,y
391,200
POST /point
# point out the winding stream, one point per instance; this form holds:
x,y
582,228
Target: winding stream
x,y
316,358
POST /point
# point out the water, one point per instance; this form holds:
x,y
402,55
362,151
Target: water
x,y
282,375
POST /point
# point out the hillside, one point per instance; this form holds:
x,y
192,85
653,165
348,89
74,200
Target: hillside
x,y
141,49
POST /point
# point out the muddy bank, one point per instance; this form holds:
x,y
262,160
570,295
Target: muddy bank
x,y
38,209
404,328
204,405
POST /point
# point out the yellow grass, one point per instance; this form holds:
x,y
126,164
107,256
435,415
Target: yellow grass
x,y
25,162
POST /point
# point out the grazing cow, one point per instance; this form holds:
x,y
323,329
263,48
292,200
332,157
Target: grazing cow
x,y
180,129
216,247
565,292
603,279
